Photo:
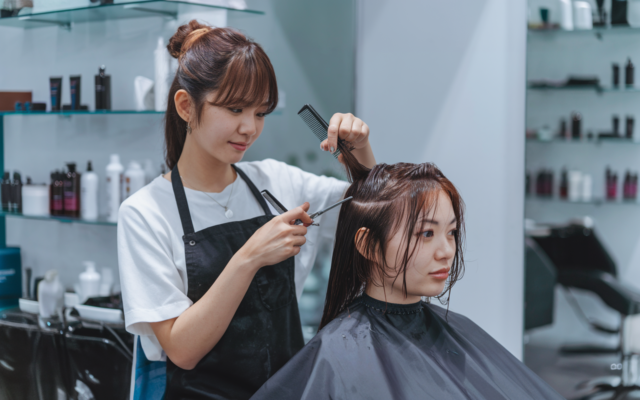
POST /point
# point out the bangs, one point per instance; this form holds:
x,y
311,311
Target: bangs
x,y
249,81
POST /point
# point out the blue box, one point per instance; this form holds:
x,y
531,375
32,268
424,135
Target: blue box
x,y
10,276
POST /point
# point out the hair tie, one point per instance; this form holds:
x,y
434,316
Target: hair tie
x,y
191,39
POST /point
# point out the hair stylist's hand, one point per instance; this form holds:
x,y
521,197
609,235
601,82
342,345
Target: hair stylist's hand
x,y
277,240
348,128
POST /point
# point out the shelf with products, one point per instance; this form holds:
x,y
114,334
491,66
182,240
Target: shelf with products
x,y
78,112
597,31
595,89
585,141
133,9
63,219
594,201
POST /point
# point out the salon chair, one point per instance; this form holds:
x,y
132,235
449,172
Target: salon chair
x,y
539,289
582,262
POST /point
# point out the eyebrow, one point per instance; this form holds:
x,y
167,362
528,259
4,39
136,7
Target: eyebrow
x,y
434,222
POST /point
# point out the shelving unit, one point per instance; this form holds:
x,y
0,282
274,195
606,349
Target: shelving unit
x,y
135,9
599,32
596,89
66,220
593,202
65,19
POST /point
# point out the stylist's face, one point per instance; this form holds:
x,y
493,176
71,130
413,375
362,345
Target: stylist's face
x,y
226,133
427,271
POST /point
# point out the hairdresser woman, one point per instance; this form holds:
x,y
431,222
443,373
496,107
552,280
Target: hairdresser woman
x,y
209,275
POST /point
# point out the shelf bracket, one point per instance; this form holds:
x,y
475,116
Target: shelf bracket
x,y
64,25
173,15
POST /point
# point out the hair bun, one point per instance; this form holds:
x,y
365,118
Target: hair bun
x,y
180,41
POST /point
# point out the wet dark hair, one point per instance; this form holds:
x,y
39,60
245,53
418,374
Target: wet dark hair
x,y
383,198
221,59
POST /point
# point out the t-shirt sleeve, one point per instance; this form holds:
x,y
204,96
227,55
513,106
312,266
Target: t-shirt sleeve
x,y
152,288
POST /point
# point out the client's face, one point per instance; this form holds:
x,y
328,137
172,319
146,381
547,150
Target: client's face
x,y
428,269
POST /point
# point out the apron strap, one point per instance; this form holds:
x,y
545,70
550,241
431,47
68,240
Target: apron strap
x,y
254,190
181,199
183,206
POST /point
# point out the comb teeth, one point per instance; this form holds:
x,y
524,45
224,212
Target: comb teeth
x,y
315,122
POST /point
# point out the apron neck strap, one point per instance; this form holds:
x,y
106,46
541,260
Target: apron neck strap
x,y
254,190
183,206
181,199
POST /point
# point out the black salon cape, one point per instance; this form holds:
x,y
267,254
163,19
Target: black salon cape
x,y
415,351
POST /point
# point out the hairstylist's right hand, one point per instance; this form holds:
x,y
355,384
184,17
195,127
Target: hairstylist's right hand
x,y
278,239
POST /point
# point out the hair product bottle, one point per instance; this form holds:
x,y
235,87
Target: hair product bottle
x,y
114,185
57,194
16,193
72,192
628,76
89,282
103,89
134,179
89,183
6,192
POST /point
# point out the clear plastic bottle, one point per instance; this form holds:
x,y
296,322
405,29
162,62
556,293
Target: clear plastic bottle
x,y
134,179
89,183
114,187
89,282
50,295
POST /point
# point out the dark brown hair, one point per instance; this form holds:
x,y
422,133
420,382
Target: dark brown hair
x,y
383,198
220,59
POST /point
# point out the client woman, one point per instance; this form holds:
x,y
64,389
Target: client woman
x,y
399,240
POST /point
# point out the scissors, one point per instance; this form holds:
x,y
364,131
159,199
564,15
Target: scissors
x,y
282,209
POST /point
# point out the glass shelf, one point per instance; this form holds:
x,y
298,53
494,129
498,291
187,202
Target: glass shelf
x,y
594,202
597,31
133,9
78,112
66,220
596,89
97,112
586,141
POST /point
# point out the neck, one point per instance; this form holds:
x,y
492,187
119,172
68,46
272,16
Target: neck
x,y
200,171
389,294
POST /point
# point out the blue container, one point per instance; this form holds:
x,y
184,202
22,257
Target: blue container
x,y
10,276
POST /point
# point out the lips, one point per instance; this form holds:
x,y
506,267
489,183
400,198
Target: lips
x,y
440,274
239,146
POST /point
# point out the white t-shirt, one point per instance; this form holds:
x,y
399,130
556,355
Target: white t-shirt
x,y
153,273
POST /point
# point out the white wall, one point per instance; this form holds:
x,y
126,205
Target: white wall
x,y
320,74
445,82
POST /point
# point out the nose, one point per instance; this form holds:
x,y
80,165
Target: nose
x,y
247,125
446,250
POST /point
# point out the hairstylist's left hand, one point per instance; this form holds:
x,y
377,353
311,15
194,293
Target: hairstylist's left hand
x,y
353,130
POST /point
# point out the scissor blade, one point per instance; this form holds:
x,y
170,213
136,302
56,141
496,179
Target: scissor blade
x,y
316,214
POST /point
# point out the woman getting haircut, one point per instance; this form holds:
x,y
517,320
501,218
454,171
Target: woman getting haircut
x,y
399,240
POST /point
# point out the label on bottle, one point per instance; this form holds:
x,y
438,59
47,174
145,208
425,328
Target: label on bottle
x,y
58,202
70,197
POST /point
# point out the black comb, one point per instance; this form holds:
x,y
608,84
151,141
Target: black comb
x,y
318,126
274,202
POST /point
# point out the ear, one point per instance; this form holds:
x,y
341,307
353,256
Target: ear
x,y
360,241
183,104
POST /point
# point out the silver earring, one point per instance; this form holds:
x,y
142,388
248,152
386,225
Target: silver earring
x,y
188,129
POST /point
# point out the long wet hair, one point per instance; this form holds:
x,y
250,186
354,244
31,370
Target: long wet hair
x,y
383,199
221,59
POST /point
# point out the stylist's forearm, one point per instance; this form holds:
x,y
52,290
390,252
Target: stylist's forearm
x,y
200,327
365,156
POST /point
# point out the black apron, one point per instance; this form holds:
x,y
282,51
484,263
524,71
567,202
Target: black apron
x,y
265,331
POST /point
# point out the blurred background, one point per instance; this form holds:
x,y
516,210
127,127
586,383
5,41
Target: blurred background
x,y
529,108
